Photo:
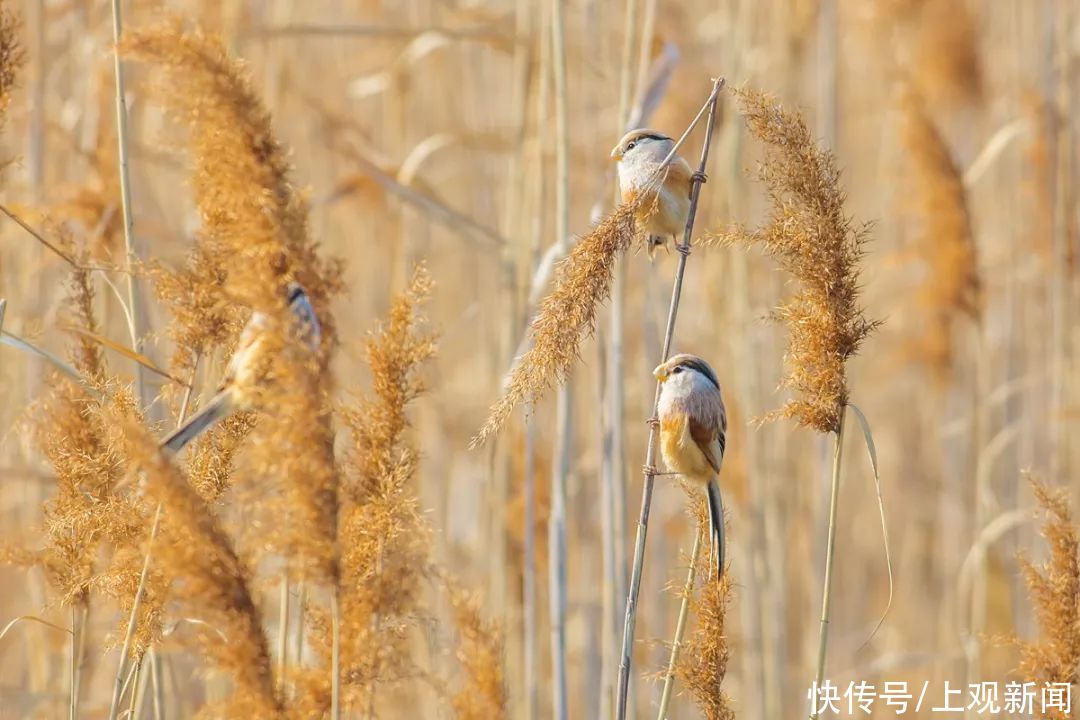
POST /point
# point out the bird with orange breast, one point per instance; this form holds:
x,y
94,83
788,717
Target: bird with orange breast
x,y
693,432
664,191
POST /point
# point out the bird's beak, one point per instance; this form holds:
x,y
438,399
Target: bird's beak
x,y
660,373
615,153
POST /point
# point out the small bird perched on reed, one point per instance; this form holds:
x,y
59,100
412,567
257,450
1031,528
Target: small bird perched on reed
x,y
640,155
248,367
693,428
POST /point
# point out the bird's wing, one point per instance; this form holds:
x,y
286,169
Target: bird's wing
x,y
709,442
304,317
678,175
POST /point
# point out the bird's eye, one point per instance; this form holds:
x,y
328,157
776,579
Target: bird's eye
x,y
630,145
676,370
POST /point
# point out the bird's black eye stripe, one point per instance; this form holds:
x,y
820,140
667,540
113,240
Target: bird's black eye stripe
x,y
295,291
704,369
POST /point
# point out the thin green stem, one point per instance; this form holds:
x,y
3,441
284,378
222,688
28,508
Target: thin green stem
x,y
830,554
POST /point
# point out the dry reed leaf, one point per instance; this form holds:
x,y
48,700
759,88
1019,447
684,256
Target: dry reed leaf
x,y
814,240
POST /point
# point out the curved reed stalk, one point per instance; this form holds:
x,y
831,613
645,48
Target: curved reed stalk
x,y
646,493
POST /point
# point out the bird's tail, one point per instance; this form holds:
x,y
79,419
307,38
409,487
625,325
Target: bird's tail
x,y
716,522
200,422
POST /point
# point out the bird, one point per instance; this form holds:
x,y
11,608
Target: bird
x,y
693,432
248,367
640,155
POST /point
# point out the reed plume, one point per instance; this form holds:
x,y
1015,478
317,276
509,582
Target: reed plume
x,y
87,512
254,220
566,316
947,67
253,239
480,649
703,662
208,582
945,242
1054,589
383,538
813,239
12,56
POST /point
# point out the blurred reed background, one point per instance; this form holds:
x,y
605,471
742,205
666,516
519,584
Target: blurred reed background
x,y
427,133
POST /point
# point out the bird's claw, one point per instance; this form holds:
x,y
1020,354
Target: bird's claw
x,y
700,177
650,470
653,422
684,249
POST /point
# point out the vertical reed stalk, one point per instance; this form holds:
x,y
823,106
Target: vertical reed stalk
x,y
830,552
650,459
614,476
158,685
335,657
79,613
283,630
125,194
557,518
529,624
557,552
135,703
529,572
680,626
301,609
133,619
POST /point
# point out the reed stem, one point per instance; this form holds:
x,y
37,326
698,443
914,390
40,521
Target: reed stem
x,y
335,657
125,194
283,630
529,572
680,626
79,613
650,459
557,518
133,619
830,553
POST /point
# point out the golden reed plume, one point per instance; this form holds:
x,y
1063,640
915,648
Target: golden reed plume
x,y
566,316
814,240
